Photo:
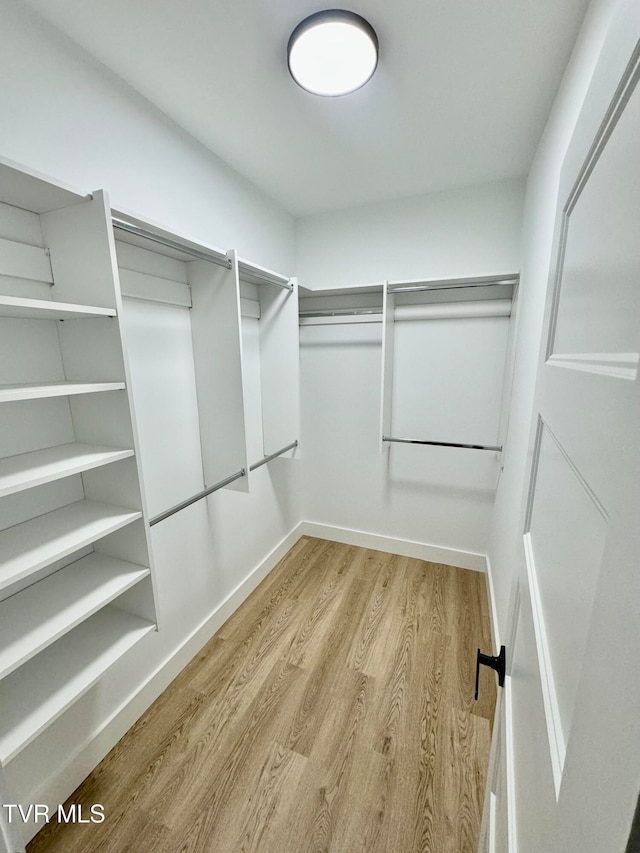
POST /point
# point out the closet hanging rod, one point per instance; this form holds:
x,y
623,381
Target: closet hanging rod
x,y
203,494
271,456
496,448
253,274
419,287
202,254
342,312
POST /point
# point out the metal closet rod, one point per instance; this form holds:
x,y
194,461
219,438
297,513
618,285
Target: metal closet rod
x,y
450,285
496,448
198,497
201,254
342,312
271,456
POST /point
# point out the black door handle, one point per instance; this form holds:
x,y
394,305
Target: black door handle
x,y
497,662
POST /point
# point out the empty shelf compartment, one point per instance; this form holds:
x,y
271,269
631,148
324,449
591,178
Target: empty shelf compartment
x,y
36,694
35,618
39,542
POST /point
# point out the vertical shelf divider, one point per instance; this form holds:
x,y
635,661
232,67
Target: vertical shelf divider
x,y
218,361
386,381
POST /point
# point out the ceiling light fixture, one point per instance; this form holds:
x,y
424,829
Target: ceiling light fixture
x,y
332,53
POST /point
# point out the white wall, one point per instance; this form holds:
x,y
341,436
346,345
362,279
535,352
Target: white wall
x,y
65,115
469,231
437,497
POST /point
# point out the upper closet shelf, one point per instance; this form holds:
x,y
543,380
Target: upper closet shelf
x,y
38,390
53,463
255,274
25,188
37,693
427,284
137,232
39,542
38,616
44,309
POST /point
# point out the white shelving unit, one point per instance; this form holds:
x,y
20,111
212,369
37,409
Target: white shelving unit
x,y
223,293
278,354
76,570
158,266
458,402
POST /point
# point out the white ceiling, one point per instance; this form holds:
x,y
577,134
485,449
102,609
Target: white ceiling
x,y
460,96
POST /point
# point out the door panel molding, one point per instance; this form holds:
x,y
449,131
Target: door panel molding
x,y
566,527
557,744
617,365
619,101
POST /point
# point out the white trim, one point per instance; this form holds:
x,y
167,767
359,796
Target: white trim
x,y
502,753
88,755
391,545
510,766
491,844
621,365
557,745
493,609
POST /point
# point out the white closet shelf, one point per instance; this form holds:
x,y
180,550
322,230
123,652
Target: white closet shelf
x,y
39,542
44,309
53,463
36,694
41,614
39,390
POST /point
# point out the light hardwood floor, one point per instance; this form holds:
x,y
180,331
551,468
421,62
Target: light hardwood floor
x,y
333,712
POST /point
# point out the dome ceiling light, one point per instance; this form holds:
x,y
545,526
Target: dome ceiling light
x,y
332,53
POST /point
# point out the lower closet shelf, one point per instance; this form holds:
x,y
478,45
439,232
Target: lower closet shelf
x,y
36,694
39,542
52,463
38,616
62,388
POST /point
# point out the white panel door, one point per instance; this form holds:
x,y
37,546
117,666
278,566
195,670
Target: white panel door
x,y
576,738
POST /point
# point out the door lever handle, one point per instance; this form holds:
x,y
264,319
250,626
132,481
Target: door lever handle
x,y
497,662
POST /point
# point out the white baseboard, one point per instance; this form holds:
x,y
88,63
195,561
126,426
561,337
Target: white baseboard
x,y
391,545
88,755
512,834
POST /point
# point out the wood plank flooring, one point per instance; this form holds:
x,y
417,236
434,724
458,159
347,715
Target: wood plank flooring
x,y
333,712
